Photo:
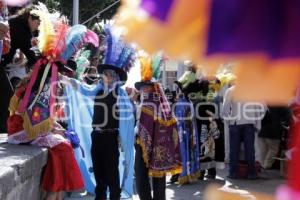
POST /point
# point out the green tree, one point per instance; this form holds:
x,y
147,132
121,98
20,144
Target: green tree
x,y
87,9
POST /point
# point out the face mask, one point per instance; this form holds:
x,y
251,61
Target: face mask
x,y
91,79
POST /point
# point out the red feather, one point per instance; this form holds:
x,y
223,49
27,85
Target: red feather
x,y
91,37
59,43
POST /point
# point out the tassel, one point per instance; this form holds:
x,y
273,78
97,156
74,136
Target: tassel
x,y
33,78
13,104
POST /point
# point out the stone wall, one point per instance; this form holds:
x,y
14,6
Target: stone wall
x,y
20,171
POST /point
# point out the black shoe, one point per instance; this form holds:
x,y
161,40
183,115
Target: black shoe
x,y
201,177
173,179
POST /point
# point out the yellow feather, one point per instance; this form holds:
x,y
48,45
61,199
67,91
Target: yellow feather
x,y
46,28
146,69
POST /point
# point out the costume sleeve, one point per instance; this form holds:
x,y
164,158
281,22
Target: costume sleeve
x,y
87,90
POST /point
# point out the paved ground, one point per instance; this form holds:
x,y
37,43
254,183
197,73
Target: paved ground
x,y
268,183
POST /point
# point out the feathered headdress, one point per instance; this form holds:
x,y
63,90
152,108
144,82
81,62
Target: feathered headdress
x,y
150,69
57,42
119,56
82,62
76,37
225,75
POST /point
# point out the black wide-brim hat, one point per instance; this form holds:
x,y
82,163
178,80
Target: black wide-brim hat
x,y
122,74
71,65
140,84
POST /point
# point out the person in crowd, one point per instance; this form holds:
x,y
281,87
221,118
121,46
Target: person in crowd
x,y
68,177
33,118
243,124
3,33
106,127
210,129
105,138
188,137
107,114
23,27
24,23
5,86
157,143
227,80
271,133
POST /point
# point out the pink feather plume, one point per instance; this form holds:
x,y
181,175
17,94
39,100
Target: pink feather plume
x,y
91,37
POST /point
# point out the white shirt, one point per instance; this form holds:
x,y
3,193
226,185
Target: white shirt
x,y
242,112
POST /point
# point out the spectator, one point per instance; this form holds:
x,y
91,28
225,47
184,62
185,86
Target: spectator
x,y
23,24
4,84
23,27
270,135
243,123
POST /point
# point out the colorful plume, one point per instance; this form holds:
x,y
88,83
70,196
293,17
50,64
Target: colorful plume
x,y
46,28
74,40
76,37
91,37
146,69
157,61
58,45
118,53
150,66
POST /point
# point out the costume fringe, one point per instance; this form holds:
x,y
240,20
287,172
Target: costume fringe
x,y
161,173
161,121
145,157
189,178
13,104
36,130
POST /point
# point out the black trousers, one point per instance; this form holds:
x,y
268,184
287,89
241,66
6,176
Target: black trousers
x,y
6,94
105,158
143,181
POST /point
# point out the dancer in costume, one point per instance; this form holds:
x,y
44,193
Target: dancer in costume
x,y
105,125
202,93
210,129
188,137
105,134
32,113
157,143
